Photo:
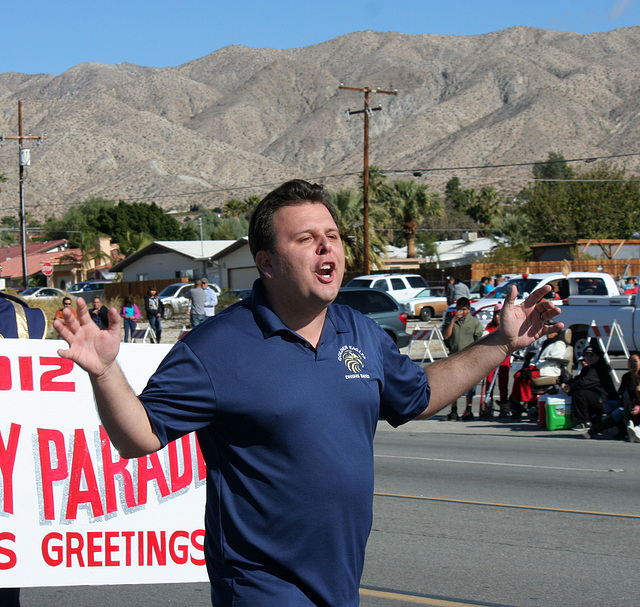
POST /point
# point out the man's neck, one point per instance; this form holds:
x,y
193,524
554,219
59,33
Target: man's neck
x,y
306,322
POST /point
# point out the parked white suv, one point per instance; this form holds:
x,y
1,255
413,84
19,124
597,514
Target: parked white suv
x,y
401,286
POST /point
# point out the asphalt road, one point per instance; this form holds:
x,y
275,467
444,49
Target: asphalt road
x,y
474,513
503,514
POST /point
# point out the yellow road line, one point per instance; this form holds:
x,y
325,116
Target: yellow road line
x,y
499,505
412,598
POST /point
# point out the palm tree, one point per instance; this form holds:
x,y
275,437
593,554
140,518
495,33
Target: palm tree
x,y
234,207
251,203
409,203
134,241
89,247
348,203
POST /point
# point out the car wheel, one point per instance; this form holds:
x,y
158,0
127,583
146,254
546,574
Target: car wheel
x,y
580,340
168,312
578,348
426,314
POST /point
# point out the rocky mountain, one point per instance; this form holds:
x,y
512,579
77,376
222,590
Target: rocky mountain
x,y
240,120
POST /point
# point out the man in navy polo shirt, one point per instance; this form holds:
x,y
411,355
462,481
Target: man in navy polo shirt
x,y
284,390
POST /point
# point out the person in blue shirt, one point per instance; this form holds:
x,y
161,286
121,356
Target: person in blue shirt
x,y
285,389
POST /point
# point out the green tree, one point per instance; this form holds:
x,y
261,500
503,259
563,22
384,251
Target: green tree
x,y
555,168
456,196
483,206
348,203
514,227
9,234
119,221
134,241
410,203
596,203
89,246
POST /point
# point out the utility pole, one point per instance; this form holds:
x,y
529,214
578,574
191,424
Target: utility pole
x,y
24,159
366,111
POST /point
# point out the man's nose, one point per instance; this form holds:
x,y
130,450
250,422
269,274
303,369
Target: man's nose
x,y
325,245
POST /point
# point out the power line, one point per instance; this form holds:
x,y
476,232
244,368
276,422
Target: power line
x,y
217,190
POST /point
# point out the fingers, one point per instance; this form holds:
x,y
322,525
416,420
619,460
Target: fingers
x,y
537,295
555,328
511,296
61,328
83,311
114,322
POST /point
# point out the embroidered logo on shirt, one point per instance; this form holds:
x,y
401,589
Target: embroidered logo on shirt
x,y
354,360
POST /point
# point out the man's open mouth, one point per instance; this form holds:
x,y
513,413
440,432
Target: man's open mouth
x,y
326,269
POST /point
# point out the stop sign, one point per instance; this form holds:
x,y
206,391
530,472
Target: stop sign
x,y
47,268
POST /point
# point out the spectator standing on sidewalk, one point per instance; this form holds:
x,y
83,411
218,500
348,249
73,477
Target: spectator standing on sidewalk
x,y
461,331
456,289
197,298
155,311
130,313
211,299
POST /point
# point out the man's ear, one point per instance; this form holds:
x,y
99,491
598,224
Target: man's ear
x,y
263,262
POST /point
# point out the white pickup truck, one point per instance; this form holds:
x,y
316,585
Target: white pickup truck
x,y
578,313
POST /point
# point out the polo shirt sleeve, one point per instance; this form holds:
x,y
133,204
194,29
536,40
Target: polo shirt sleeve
x,y
180,397
405,390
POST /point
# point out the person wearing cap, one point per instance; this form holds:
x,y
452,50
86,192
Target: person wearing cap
x,y
210,300
462,330
590,390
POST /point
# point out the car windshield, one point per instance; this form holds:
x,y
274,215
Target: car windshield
x,y
29,291
524,285
364,283
417,281
77,287
169,291
425,293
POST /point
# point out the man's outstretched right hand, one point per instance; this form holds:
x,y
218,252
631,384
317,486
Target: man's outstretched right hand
x,y
90,347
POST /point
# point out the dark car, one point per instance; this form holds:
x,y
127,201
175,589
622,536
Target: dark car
x,y
381,307
88,289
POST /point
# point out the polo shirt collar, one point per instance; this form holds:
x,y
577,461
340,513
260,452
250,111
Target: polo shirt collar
x,y
270,324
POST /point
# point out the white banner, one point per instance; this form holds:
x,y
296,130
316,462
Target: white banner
x,y
71,511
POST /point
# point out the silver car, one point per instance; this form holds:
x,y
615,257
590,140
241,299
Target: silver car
x,y
174,298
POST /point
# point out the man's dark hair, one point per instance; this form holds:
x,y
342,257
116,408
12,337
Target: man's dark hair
x,y
463,302
262,236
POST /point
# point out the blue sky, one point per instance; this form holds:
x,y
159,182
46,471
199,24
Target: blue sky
x,y
51,36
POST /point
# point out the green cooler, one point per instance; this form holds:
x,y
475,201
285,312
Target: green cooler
x,y
558,412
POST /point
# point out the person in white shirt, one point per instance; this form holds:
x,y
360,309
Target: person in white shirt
x,y
211,298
